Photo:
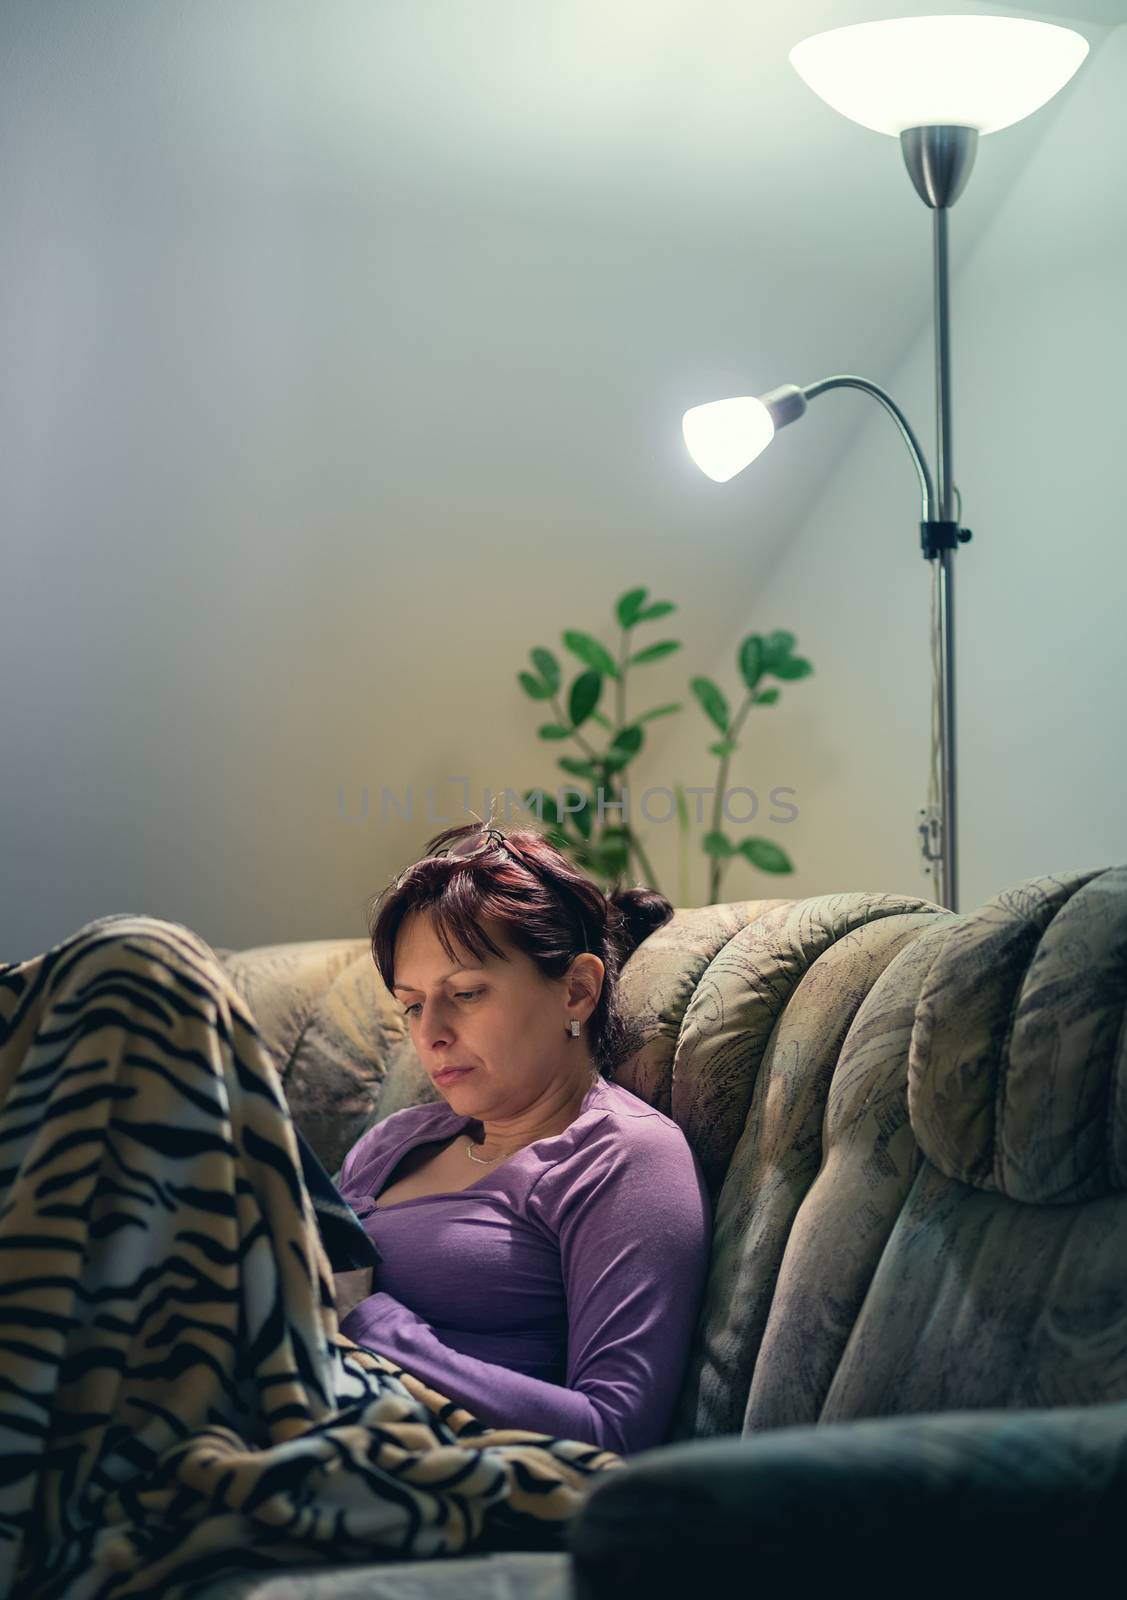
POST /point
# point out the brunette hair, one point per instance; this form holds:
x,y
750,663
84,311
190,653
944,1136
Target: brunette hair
x,y
547,907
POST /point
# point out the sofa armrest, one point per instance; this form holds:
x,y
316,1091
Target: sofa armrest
x,y
900,1505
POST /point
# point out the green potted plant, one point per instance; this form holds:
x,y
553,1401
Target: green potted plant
x,y
605,848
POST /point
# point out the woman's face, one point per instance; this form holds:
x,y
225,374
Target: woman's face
x,y
503,1018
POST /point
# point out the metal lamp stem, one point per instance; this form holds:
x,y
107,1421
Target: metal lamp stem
x,y
949,836
850,380
939,161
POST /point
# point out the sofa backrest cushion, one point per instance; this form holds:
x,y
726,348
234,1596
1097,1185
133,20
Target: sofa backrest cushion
x,y
934,1263
1017,1076
758,1053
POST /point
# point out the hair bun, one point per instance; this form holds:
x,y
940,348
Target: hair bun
x,y
642,911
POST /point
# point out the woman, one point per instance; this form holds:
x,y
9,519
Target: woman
x,y
177,1400
543,1233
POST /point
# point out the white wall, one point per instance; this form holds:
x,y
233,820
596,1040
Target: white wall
x,y
1040,415
304,442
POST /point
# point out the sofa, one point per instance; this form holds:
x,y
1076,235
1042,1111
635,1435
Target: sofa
x,y
910,1365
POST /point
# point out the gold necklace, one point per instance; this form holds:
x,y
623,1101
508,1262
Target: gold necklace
x,y
477,1159
480,1163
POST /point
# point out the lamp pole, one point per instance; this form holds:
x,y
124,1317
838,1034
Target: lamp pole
x,y
939,536
939,159
948,821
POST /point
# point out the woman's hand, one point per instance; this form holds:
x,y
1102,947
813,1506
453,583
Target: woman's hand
x,y
349,1288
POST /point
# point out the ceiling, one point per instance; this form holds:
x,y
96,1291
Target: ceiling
x,y
644,101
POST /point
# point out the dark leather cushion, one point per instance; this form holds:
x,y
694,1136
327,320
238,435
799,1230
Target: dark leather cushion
x,y
1006,1502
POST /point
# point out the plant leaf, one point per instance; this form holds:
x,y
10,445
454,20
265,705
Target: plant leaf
x,y
532,686
604,722
584,696
582,819
765,855
660,608
629,740
613,855
654,652
658,711
553,730
591,652
547,666
792,667
629,605
582,855
776,647
715,844
548,808
724,748
751,660
712,701
578,767
625,746
682,808
766,698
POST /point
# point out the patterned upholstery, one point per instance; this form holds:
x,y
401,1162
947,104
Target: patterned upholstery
x,y
1018,1075
913,1125
335,1034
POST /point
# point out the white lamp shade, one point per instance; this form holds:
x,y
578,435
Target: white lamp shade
x,y
965,71
724,435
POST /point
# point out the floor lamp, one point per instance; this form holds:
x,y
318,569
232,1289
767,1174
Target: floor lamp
x,y
936,83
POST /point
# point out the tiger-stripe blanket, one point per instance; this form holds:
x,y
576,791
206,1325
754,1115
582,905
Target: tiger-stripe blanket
x,y
176,1400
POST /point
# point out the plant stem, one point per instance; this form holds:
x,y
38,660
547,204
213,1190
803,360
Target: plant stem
x,y
635,844
632,841
718,864
620,683
683,858
589,751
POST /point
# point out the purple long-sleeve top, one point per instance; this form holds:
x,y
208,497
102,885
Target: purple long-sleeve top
x,y
557,1292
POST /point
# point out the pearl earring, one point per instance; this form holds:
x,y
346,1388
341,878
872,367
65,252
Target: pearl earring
x,y
574,1026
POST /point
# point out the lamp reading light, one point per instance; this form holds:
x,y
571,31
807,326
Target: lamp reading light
x,y
936,84
974,72
725,436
